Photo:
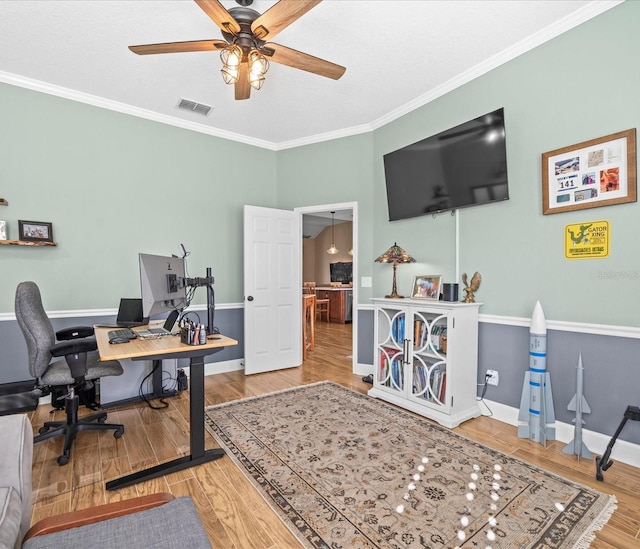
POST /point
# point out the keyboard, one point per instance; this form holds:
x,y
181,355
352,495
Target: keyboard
x,y
125,333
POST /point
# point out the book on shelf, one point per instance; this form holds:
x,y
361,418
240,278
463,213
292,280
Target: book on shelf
x,y
397,375
435,335
443,389
419,378
438,382
397,328
420,332
388,363
424,335
430,384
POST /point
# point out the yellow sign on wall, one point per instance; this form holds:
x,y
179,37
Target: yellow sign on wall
x,y
586,240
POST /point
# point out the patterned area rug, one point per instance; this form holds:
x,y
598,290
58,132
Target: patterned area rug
x,y
338,467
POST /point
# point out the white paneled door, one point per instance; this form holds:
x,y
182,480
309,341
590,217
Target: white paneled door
x,y
272,289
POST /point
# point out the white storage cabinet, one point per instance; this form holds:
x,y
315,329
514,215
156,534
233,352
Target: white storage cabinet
x,y
426,357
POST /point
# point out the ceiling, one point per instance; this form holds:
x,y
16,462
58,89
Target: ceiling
x,y
399,54
314,224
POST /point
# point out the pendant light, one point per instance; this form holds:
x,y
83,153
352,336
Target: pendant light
x,y
333,250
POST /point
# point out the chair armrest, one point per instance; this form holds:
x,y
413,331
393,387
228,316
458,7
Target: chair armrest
x,y
76,332
75,519
73,346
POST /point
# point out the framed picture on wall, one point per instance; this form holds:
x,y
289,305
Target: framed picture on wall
x,y
600,172
427,287
35,231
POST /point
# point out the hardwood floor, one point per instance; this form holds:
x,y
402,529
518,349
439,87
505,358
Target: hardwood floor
x,y
234,514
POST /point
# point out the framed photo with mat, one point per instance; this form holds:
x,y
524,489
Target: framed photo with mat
x,y
427,287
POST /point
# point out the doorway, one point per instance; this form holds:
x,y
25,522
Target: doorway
x,y
319,221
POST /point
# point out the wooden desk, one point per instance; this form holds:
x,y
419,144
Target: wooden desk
x,y
158,349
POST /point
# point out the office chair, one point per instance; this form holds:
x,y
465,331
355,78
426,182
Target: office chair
x,y
75,372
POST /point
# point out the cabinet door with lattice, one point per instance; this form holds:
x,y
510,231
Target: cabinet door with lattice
x,y
391,349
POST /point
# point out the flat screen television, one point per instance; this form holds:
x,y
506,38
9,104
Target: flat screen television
x,y
342,272
460,167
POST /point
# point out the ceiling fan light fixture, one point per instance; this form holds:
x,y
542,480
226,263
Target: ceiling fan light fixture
x,y
258,67
231,57
247,36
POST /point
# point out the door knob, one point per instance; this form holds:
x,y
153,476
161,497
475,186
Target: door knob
x,y
250,298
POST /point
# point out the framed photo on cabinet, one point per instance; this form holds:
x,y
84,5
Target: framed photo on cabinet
x,y
427,287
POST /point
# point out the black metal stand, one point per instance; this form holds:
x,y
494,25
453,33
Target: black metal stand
x,y
603,463
196,426
206,282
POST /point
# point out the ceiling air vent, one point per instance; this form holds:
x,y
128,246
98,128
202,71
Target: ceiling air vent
x,y
192,106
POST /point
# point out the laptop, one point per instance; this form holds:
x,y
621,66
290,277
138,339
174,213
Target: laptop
x,y
165,330
130,313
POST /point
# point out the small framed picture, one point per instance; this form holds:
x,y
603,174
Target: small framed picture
x,y
35,231
427,287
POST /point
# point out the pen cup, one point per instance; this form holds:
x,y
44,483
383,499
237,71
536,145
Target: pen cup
x,y
193,335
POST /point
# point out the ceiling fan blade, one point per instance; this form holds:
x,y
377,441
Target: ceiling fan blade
x,y
242,86
279,16
219,15
178,47
304,61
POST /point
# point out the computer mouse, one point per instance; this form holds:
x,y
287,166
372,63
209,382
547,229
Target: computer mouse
x,y
115,340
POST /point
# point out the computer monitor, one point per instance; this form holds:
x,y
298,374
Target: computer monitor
x,y
162,284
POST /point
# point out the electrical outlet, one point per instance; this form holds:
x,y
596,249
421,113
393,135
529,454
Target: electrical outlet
x,y
492,378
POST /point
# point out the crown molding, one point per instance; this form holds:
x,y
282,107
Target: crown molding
x,y
561,26
591,10
96,101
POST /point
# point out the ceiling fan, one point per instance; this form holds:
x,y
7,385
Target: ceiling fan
x,y
245,53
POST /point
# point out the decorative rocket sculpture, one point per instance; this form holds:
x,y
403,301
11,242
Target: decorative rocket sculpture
x,y
580,406
536,404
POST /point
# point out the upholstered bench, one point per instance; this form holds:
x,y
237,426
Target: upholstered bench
x,y
157,520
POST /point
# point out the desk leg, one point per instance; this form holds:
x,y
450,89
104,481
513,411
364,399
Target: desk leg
x,y
196,426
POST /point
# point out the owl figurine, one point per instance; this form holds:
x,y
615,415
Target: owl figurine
x,y
471,287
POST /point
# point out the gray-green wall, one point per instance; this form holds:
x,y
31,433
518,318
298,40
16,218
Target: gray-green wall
x,y
577,87
115,185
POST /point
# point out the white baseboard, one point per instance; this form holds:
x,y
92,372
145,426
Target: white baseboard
x,y
363,369
623,451
220,367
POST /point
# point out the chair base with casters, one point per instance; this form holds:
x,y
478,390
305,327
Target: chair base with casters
x,y
72,426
